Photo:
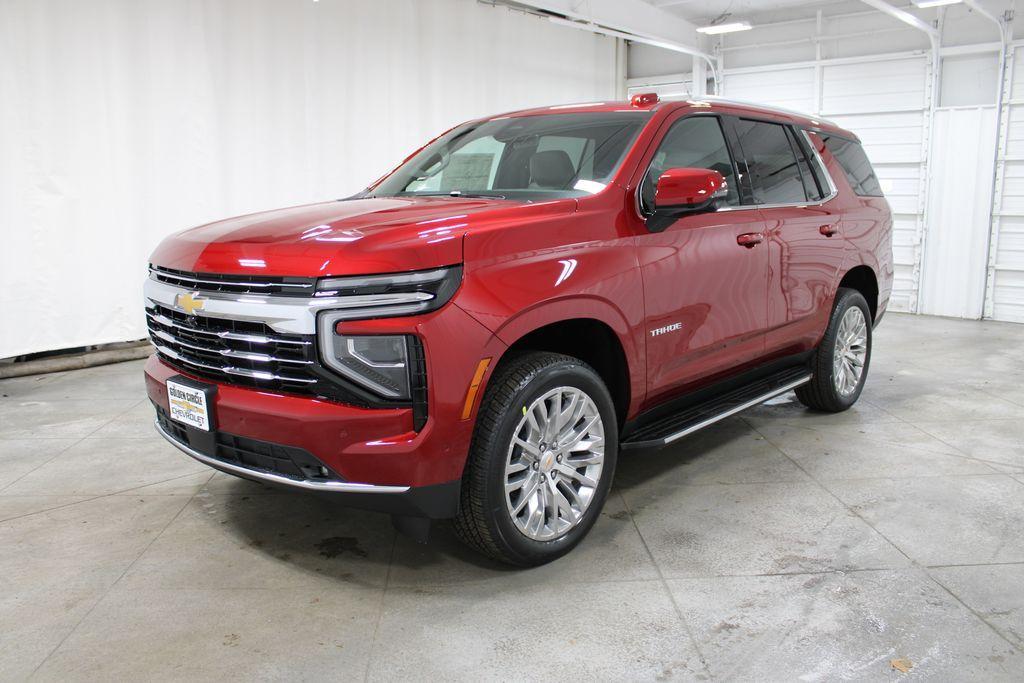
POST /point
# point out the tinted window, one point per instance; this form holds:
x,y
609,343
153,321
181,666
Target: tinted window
x,y
771,162
855,165
520,157
824,179
695,142
813,186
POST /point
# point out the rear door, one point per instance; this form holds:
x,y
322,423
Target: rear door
x,y
704,292
802,229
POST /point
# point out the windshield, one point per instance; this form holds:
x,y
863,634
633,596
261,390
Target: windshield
x,y
526,157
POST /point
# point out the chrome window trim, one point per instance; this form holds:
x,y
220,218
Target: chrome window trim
x,y
334,486
834,191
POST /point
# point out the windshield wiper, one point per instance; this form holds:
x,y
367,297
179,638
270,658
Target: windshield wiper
x,y
456,193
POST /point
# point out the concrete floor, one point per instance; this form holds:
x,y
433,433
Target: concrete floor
x,y
781,545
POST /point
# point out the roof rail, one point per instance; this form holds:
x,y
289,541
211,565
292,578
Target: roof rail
x,y
749,103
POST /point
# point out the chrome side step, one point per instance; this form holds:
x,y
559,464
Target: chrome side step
x,y
674,427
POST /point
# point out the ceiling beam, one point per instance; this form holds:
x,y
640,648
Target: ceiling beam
x,y
633,20
627,16
904,16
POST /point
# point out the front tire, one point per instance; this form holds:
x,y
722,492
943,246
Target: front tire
x,y
841,361
541,462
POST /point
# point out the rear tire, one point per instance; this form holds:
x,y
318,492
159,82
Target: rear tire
x,y
841,361
529,494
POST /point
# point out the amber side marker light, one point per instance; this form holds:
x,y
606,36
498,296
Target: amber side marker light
x,y
474,387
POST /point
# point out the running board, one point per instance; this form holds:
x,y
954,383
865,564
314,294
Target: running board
x,y
673,427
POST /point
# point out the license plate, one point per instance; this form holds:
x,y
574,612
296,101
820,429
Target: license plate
x,y
189,404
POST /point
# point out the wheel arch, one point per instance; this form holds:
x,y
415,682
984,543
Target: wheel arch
x,y
863,279
580,331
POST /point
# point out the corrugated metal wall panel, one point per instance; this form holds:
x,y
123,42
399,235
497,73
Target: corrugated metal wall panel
x,y
1009,304
1004,294
885,104
875,86
789,88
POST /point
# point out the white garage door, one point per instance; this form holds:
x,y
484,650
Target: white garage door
x,y
788,88
1005,286
885,102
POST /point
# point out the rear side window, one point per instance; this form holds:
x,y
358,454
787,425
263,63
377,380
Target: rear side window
x,y
772,163
855,165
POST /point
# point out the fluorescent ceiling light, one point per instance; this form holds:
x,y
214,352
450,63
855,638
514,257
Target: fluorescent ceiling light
x,y
925,4
594,28
731,27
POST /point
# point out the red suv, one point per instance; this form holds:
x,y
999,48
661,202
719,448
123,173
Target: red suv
x,y
478,334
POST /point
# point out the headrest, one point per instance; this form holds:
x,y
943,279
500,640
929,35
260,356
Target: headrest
x,y
551,169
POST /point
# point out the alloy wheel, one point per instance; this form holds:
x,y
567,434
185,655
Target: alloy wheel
x,y
851,351
554,463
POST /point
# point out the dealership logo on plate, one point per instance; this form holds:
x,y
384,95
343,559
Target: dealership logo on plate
x,y
189,302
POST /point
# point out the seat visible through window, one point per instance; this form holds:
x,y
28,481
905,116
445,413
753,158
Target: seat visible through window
x,y
551,170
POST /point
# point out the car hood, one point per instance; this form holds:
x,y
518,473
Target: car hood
x,y
351,237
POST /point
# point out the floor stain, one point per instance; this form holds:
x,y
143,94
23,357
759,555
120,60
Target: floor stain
x,y
337,545
725,626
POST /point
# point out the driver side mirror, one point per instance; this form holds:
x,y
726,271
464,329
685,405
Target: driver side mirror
x,y
685,191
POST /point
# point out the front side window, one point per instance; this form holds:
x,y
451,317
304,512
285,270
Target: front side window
x,y
523,157
855,164
695,142
772,163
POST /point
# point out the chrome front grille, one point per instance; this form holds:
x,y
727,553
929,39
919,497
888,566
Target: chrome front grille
x,y
236,284
261,332
236,352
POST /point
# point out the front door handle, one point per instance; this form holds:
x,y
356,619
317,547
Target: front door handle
x,y
828,230
750,239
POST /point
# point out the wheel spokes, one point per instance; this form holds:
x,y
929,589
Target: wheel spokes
x,y
554,463
850,353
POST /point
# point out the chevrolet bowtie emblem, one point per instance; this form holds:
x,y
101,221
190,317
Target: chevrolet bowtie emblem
x,y
189,302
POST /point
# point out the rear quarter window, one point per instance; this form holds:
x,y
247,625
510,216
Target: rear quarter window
x,y
855,165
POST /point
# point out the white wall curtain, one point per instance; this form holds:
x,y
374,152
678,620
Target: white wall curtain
x,y
122,121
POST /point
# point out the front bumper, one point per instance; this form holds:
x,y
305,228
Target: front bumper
x,y
408,473
439,501
383,462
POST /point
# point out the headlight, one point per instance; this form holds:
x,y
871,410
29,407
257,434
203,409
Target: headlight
x,y
390,366
379,363
386,296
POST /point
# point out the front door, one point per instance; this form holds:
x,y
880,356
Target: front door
x,y
705,276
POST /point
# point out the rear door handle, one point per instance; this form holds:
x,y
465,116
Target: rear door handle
x,y
750,239
828,230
